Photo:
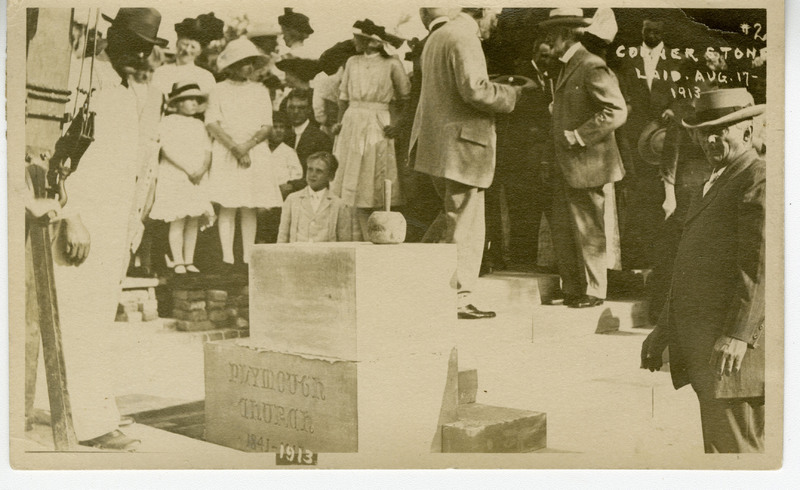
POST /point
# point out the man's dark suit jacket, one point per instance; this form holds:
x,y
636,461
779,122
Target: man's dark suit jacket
x,y
312,140
718,282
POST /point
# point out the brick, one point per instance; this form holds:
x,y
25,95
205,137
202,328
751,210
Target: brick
x,y
216,305
241,323
186,326
486,429
191,316
189,294
232,312
218,316
216,295
189,305
213,336
148,305
151,293
230,334
467,386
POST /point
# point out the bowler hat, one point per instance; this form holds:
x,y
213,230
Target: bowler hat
x,y
566,16
185,90
651,142
237,50
295,20
303,69
143,22
723,107
203,29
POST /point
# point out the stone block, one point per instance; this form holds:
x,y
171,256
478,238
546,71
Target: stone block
x,y
232,312
467,386
189,305
187,326
189,294
216,295
128,307
190,316
486,429
132,316
257,399
215,305
351,301
241,323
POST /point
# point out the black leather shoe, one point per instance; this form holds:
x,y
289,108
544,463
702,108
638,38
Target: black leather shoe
x,y
586,302
115,441
469,312
571,300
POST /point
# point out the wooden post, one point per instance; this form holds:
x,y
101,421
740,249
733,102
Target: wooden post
x,y
47,77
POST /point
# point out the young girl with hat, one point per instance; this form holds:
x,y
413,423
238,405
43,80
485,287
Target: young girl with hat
x,y
365,145
181,194
239,118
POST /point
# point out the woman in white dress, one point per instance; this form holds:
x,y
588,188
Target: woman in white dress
x,y
239,118
365,145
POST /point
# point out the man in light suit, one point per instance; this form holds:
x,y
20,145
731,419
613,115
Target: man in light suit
x,y
587,108
713,320
454,138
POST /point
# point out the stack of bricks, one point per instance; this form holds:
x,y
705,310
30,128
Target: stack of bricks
x,y
136,305
208,309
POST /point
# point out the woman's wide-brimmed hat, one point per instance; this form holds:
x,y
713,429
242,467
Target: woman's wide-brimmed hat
x,y
203,29
566,16
238,50
185,90
295,20
143,22
263,30
302,68
367,28
651,142
723,107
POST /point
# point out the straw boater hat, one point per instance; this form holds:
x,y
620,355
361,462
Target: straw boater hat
x,y
567,16
723,107
604,25
185,90
238,50
295,20
651,142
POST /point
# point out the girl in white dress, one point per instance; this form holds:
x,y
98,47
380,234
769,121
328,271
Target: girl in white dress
x,y
239,118
181,194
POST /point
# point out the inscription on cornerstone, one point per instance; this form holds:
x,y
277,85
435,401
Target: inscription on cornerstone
x,y
257,400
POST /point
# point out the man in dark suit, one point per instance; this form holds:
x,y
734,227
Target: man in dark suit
x,y
305,137
587,109
713,320
454,138
647,85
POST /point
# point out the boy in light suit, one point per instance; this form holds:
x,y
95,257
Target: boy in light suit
x,y
314,214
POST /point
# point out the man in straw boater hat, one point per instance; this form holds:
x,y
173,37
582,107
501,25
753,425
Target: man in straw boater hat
x,y
587,108
453,138
713,320
92,242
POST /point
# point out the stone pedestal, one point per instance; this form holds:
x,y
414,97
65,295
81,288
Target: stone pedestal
x,y
351,349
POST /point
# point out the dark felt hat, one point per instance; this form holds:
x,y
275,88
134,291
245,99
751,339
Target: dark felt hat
x,y
143,22
651,142
367,28
337,55
295,20
302,68
203,29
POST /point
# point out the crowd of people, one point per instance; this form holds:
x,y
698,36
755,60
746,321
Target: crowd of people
x,y
597,167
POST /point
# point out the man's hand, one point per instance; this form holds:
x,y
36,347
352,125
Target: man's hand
x,y
244,161
77,240
391,131
727,356
653,349
41,207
